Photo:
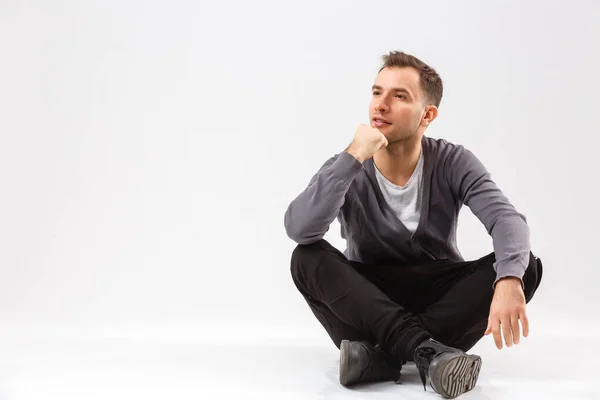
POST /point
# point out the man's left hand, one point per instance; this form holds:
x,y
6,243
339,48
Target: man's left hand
x,y
507,309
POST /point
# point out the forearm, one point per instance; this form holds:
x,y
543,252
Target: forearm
x,y
311,213
511,241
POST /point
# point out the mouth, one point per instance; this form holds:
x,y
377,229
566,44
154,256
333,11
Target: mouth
x,y
379,122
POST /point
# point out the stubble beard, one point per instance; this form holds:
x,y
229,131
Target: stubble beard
x,y
402,137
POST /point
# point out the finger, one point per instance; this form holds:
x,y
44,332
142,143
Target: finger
x,y
488,330
525,323
514,323
506,331
496,331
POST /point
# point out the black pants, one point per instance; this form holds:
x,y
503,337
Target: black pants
x,y
398,306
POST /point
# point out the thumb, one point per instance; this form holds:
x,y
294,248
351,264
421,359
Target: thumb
x,y
384,142
488,330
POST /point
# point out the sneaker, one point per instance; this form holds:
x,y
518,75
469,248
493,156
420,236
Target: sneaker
x,y
451,371
362,362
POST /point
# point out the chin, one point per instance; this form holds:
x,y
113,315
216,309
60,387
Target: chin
x,y
399,137
385,128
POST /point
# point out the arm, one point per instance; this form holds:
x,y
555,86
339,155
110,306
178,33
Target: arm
x,y
310,214
471,184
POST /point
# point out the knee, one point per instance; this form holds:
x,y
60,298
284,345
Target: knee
x,y
296,262
304,256
533,276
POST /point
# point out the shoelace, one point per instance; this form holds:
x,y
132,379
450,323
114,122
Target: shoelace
x,y
424,356
376,361
370,364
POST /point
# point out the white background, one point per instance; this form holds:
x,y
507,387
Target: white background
x,y
149,150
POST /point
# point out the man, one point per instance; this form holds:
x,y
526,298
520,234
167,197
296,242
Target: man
x,y
401,290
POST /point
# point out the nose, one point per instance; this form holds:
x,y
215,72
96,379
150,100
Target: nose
x,y
381,106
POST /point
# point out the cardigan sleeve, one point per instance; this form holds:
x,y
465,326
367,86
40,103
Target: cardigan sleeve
x,y
472,184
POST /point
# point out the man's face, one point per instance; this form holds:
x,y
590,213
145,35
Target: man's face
x,y
397,98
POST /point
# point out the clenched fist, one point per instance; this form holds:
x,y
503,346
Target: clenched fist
x,y
367,141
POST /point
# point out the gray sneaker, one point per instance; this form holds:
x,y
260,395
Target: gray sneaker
x,y
362,362
451,371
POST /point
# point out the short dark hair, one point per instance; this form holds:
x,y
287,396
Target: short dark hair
x,y
431,83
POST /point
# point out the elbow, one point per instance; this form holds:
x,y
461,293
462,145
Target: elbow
x,y
308,239
300,233
301,236
509,222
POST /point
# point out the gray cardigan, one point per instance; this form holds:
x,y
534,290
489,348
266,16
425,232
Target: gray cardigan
x,y
345,189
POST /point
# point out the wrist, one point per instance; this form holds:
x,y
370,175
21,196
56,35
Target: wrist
x,y
356,153
508,281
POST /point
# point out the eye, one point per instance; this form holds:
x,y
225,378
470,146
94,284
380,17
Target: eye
x,y
400,96
375,93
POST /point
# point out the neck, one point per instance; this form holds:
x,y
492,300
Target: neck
x,y
398,160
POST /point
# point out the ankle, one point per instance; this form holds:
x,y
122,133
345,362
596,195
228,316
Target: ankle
x,y
417,340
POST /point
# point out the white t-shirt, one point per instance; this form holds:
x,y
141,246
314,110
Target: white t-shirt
x,y
404,200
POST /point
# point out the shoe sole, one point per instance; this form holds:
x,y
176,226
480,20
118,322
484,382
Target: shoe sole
x,y
344,351
455,374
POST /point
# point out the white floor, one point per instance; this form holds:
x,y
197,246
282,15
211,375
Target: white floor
x,y
39,365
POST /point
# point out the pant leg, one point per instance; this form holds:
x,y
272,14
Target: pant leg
x,y
459,318
331,282
337,329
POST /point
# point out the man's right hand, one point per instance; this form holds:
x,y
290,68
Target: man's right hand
x,y
367,141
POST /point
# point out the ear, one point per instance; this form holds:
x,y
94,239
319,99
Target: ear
x,y
429,114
